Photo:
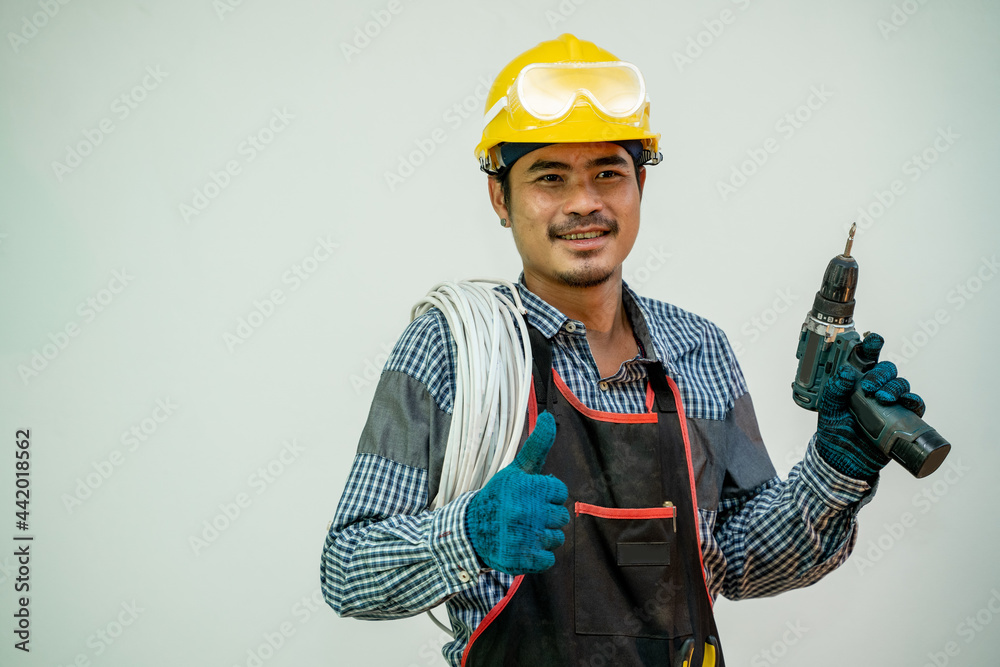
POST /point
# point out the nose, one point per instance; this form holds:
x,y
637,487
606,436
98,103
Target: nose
x,y
582,198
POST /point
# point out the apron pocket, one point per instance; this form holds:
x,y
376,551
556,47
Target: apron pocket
x,y
624,581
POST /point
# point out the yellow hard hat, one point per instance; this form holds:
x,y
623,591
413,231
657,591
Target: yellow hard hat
x,y
565,91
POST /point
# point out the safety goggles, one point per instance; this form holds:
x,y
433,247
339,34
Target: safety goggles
x,y
547,93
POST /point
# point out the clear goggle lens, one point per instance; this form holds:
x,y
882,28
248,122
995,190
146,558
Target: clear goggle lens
x,y
550,91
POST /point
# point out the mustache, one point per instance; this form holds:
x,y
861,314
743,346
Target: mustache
x,y
583,222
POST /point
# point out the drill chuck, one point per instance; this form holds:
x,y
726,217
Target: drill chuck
x,y
834,302
827,341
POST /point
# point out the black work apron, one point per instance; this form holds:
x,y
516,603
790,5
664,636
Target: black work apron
x,y
628,587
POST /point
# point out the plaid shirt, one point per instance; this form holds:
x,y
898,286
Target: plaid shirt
x,y
387,555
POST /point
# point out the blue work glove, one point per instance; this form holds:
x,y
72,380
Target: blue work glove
x,y
838,435
515,521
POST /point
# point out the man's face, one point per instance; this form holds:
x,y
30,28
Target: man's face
x,y
574,212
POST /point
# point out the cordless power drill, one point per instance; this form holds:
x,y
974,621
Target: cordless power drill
x,y
828,340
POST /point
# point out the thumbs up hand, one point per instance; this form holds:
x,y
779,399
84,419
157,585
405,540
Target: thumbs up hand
x,y
515,521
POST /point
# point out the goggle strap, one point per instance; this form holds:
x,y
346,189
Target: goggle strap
x,y
494,111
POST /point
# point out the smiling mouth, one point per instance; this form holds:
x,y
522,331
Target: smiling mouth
x,y
587,235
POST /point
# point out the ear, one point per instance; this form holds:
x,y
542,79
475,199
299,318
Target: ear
x,y
642,181
496,197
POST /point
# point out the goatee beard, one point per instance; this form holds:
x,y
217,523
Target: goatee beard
x,y
585,278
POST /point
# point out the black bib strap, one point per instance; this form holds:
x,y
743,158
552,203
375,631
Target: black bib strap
x,y
665,399
541,361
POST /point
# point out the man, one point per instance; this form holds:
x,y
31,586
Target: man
x,y
643,490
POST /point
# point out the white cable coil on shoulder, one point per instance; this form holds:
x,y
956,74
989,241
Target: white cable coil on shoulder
x,y
492,380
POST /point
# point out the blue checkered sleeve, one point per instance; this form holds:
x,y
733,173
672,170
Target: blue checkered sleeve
x,y
386,556
785,534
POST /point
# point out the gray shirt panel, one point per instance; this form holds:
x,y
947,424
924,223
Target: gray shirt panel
x,y
405,425
728,456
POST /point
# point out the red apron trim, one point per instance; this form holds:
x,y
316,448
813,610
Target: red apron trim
x,y
624,512
650,397
694,490
532,406
627,418
494,612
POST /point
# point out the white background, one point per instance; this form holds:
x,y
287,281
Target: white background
x,y
360,107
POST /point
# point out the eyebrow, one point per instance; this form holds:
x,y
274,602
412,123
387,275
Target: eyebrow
x,y
546,165
606,161
609,161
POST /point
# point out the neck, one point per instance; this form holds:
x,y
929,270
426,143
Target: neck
x,y
599,307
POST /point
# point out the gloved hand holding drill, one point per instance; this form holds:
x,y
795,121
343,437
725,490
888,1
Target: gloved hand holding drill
x,y
515,521
838,441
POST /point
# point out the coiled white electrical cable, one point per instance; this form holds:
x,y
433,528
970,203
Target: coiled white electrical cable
x,y
492,380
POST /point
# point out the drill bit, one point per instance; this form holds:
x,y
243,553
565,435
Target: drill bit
x,y
850,239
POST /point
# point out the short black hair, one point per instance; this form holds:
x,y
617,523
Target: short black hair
x,y
504,178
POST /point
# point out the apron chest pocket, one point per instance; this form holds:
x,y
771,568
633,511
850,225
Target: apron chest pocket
x,y
623,579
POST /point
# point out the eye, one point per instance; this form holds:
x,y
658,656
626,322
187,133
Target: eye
x,y
550,178
609,173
